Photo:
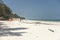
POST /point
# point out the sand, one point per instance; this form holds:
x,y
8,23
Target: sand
x,y
36,30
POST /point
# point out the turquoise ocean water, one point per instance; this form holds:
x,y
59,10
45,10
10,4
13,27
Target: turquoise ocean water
x,y
49,20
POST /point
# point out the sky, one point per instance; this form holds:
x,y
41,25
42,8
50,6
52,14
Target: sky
x,y
35,9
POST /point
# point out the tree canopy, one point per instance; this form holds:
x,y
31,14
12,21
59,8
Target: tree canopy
x,y
6,12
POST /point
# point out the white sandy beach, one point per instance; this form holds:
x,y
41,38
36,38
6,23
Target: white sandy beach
x,y
36,30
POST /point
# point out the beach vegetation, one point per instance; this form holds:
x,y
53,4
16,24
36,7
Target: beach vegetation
x,y
7,13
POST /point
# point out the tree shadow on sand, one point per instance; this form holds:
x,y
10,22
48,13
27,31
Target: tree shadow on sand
x,y
12,34
6,31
